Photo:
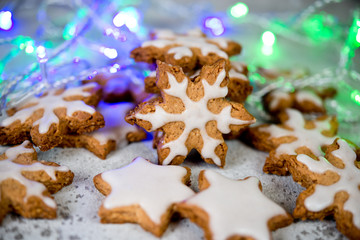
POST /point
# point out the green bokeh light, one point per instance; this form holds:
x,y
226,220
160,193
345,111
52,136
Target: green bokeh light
x,y
268,38
239,10
355,95
321,27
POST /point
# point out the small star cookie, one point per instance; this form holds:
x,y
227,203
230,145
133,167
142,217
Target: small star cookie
x,y
45,119
142,193
293,136
192,114
187,51
116,133
230,209
333,187
26,183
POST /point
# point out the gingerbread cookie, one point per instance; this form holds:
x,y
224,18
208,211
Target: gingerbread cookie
x,y
192,114
333,187
116,133
46,119
304,100
142,193
187,51
293,136
230,209
239,85
26,183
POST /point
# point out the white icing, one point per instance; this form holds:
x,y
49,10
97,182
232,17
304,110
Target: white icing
x,y
236,207
349,181
180,52
195,116
235,74
116,128
311,138
184,43
49,103
277,96
306,95
238,66
154,188
12,170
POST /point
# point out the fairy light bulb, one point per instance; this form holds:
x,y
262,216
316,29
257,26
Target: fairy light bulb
x,y
128,16
6,22
239,10
268,38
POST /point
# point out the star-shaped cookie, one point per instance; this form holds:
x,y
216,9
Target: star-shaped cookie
x,y
230,209
142,193
26,183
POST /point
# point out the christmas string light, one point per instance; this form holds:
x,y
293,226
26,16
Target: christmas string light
x,y
6,22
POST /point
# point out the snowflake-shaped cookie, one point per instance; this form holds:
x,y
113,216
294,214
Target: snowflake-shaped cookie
x,y
329,194
142,193
186,51
292,137
230,209
192,114
239,85
26,183
44,120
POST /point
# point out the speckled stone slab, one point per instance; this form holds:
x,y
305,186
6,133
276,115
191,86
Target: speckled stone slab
x,y
78,203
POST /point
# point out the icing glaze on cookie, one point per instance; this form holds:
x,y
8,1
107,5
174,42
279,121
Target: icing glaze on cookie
x,y
12,170
155,188
116,127
195,116
49,103
236,207
349,181
311,138
184,43
305,95
235,74
277,96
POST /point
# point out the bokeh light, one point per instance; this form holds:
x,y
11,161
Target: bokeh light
x,y
268,38
239,10
109,52
6,22
128,16
215,25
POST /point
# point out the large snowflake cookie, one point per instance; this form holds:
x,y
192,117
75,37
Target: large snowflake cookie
x,y
293,136
239,85
116,133
143,193
333,187
192,114
46,119
230,209
26,183
187,51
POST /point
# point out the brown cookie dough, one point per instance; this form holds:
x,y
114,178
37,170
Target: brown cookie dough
x,y
230,209
142,193
293,136
116,133
46,119
332,187
26,184
189,51
192,114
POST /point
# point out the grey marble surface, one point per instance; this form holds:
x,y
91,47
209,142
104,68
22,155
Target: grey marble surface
x,y
78,203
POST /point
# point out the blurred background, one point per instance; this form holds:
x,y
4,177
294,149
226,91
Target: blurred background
x,y
65,41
